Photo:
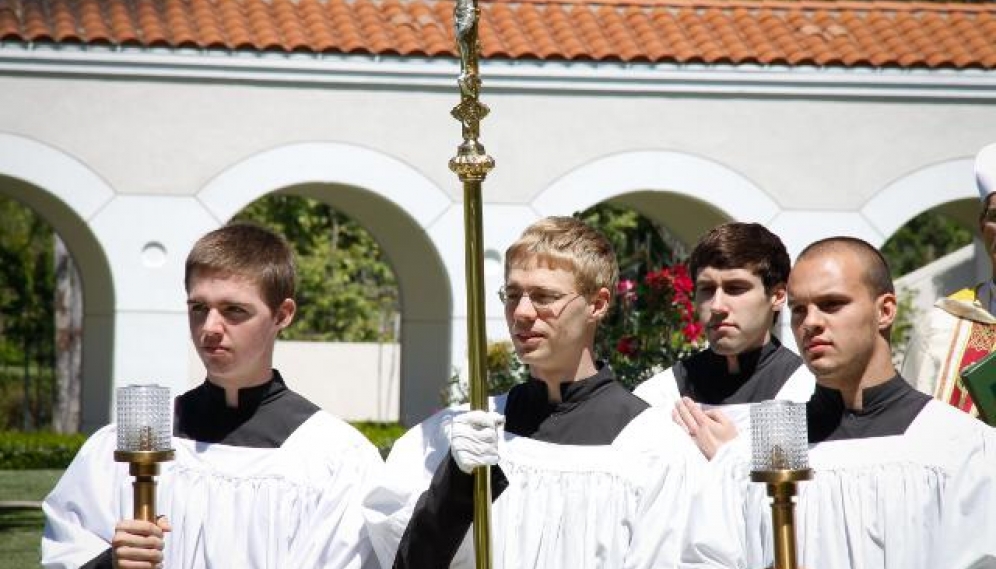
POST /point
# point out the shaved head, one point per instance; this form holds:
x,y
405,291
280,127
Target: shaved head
x,y
876,275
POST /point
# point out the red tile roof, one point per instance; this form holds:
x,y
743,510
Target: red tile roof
x,y
785,32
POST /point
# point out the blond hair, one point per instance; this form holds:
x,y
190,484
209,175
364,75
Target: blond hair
x,y
570,244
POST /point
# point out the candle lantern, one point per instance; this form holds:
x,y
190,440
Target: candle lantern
x,y
144,418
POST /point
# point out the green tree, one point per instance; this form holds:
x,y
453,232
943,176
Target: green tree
x,y
26,314
922,240
346,290
640,244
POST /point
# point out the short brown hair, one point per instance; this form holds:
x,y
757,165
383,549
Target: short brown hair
x,y
737,245
876,275
248,251
571,244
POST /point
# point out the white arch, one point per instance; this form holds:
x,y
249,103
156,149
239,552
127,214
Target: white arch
x,y
346,175
329,162
68,195
61,175
904,198
677,172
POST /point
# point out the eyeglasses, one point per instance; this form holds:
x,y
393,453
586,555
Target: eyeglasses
x,y
541,299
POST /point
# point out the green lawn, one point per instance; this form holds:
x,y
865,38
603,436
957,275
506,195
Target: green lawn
x,y
20,529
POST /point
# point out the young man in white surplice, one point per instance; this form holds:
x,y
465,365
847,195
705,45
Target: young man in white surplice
x,y
739,271
586,474
883,454
262,478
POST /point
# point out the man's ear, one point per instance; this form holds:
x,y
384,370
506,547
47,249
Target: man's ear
x,y
888,307
779,294
600,303
285,313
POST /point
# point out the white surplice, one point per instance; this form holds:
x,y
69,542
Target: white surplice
x,y
874,503
618,506
296,506
967,538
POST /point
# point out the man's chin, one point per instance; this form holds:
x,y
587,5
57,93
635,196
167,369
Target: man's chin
x,y
530,357
825,375
219,374
725,346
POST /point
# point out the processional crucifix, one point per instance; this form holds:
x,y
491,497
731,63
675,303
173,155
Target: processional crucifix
x,y
472,164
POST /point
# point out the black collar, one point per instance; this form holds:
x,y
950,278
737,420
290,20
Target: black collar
x,y
876,398
750,360
267,414
886,409
250,398
573,393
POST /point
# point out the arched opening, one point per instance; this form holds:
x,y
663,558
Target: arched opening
x,y
689,193
932,255
685,217
395,204
342,351
68,195
96,307
652,322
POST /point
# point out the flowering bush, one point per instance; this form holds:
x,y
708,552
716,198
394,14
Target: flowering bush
x,y
651,325
504,371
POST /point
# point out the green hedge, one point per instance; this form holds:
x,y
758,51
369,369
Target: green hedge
x,y
25,451
382,435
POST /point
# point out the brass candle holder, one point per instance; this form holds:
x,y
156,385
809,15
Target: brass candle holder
x,y
144,417
780,460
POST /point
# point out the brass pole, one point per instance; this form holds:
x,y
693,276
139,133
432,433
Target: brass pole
x,y
144,490
144,466
472,164
783,524
781,488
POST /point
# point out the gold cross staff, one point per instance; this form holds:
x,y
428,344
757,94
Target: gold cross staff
x,y
471,165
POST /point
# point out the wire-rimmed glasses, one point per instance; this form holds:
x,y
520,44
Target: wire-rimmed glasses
x,y
543,300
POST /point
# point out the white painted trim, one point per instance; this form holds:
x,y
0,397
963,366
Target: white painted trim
x,y
677,172
891,207
365,71
324,162
56,172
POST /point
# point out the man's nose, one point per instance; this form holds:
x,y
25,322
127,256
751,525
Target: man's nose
x,y
810,321
524,309
718,303
213,321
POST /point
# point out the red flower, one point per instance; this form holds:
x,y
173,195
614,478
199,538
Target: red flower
x,y
626,289
692,331
628,346
682,281
659,280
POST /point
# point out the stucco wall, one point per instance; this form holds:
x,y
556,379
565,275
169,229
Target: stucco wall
x,y
160,160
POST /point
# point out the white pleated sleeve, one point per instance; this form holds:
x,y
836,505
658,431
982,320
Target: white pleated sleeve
x,y
293,506
968,527
391,501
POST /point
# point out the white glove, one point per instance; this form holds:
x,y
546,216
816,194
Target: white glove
x,y
474,439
